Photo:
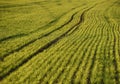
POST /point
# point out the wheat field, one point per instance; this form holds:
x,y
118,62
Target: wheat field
x,y
59,42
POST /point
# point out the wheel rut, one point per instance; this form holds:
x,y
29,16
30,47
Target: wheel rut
x,y
50,43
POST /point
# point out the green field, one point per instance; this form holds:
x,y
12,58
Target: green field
x,y
59,41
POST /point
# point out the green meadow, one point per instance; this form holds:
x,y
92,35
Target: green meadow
x,y
59,41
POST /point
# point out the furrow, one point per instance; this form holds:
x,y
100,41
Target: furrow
x,y
42,48
48,44
86,57
49,62
93,58
72,56
79,62
32,41
43,64
114,47
114,61
49,24
57,76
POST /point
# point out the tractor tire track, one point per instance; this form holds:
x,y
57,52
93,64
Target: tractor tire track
x,y
49,24
71,56
77,49
48,44
49,61
83,57
81,21
30,42
13,36
42,48
93,58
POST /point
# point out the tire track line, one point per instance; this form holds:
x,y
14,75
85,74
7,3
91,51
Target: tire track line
x,y
82,18
68,61
46,60
32,41
83,57
49,24
42,48
77,49
48,44
51,67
